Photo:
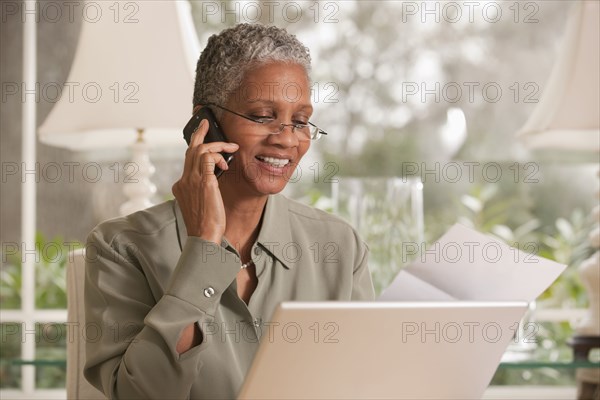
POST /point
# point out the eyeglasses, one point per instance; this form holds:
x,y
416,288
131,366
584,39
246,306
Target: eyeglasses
x,y
308,131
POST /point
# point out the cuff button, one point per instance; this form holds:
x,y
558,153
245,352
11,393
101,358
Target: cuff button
x,y
209,291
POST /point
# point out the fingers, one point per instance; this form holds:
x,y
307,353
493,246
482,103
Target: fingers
x,y
218,147
205,162
195,162
214,147
205,157
199,134
197,139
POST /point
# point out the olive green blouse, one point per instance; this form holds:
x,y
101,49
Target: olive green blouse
x,y
146,280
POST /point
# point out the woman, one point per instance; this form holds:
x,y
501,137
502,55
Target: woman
x,y
183,290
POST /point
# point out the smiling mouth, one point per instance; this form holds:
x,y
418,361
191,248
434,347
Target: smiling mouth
x,y
275,162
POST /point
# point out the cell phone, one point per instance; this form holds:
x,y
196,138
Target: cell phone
x,y
214,134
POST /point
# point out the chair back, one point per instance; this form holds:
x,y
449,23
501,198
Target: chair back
x,y
77,386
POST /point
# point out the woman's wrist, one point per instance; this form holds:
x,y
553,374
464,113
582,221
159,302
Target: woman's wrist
x,y
190,337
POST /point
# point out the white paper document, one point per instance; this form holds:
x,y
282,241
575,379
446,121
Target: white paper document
x,y
467,265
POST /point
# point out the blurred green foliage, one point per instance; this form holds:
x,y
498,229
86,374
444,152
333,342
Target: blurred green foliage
x,y
10,374
51,258
488,210
50,272
51,344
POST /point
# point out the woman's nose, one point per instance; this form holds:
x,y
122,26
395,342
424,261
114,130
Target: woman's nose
x,y
286,137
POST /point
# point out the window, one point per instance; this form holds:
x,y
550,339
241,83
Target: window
x,y
33,331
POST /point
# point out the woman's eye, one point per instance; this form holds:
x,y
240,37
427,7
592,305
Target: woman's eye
x,y
262,117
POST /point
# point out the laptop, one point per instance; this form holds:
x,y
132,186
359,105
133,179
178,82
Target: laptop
x,y
381,350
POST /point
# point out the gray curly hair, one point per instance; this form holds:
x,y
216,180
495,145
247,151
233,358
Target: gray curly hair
x,y
231,53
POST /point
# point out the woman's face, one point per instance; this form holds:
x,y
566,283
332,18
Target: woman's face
x,y
265,162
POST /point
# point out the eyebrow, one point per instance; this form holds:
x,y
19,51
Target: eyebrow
x,y
272,103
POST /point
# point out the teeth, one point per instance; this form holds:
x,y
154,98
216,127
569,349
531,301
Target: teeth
x,y
276,162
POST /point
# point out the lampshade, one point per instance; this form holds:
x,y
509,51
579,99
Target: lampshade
x,y
567,116
133,68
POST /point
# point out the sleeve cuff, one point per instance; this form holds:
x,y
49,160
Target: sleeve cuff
x,y
204,271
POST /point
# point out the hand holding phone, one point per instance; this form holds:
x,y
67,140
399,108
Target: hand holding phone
x,y
198,197
214,134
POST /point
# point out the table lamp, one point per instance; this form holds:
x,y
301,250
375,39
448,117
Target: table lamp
x,y
130,85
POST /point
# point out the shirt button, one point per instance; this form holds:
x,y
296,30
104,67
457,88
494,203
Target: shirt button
x,y
257,322
209,291
257,251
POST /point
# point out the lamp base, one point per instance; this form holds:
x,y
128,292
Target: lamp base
x,y
137,187
588,379
582,345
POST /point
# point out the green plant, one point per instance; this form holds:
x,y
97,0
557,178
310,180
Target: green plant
x,y
50,257
566,243
50,271
487,209
10,286
10,374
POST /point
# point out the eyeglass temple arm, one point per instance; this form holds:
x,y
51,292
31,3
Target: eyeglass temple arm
x,y
321,131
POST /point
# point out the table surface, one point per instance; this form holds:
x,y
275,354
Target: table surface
x,y
559,357
540,357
